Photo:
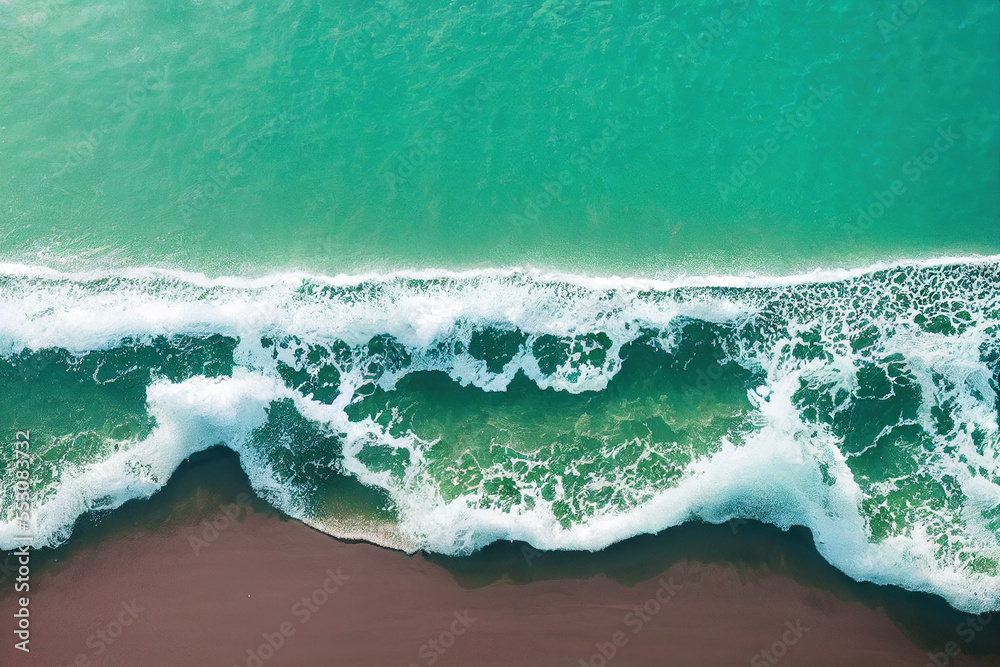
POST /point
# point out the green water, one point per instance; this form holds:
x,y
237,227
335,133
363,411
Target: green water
x,y
239,136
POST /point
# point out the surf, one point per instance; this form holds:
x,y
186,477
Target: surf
x,y
445,410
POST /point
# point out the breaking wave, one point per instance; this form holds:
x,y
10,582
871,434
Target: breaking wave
x,y
444,411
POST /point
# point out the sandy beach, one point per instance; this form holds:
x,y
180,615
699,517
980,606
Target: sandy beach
x,y
205,574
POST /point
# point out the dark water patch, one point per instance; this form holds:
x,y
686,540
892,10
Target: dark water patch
x,y
497,347
307,461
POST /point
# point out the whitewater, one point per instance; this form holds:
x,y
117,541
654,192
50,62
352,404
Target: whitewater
x,y
567,411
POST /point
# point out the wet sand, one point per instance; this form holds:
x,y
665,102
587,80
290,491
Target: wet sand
x,y
152,584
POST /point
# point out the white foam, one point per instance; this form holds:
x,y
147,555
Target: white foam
x,y
191,416
199,279
774,474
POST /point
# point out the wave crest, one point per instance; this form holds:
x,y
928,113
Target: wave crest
x,y
445,411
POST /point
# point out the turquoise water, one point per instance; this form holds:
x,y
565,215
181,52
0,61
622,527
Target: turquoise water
x,y
235,137
181,181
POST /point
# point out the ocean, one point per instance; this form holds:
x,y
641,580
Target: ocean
x,y
447,274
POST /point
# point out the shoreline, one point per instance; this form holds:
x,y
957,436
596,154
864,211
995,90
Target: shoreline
x,y
818,274
729,591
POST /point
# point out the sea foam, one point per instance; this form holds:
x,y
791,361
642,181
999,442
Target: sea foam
x,y
915,341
